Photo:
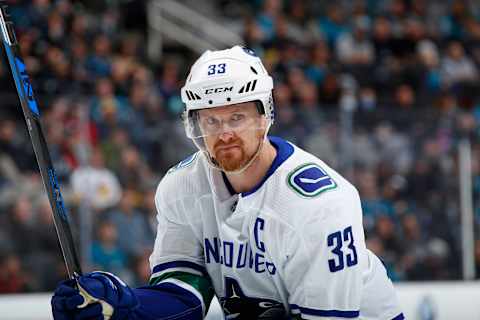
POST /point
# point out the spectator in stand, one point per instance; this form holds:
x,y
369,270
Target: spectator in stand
x,y
308,110
286,120
47,256
132,225
330,92
107,109
55,128
96,184
79,26
298,13
13,279
452,23
393,148
472,41
12,146
373,204
415,248
253,35
376,246
355,50
382,38
332,25
457,67
21,227
56,27
367,100
169,85
133,170
106,253
430,60
99,62
435,263
79,54
122,70
392,243
138,100
32,61
318,65
423,176
267,18
112,146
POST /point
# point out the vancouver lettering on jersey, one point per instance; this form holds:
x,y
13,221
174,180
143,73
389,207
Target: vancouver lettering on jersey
x,y
240,254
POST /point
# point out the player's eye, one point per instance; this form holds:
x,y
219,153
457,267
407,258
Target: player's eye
x,y
211,121
237,117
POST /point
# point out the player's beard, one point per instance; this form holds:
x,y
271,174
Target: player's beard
x,y
236,158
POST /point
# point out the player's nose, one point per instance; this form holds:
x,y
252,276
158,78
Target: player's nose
x,y
226,135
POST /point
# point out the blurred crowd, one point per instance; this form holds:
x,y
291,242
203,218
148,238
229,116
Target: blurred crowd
x,y
383,91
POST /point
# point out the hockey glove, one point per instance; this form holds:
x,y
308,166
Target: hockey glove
x,y
100,295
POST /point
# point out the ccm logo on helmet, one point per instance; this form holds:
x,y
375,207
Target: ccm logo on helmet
x,y
219,89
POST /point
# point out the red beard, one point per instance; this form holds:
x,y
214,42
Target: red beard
x,y
230,156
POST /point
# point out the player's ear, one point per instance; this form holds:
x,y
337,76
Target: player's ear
x,y
263,123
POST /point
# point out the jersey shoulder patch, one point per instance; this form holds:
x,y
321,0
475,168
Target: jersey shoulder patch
x,y
184,163
309,180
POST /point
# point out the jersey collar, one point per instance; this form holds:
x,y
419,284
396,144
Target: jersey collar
x,y
284,151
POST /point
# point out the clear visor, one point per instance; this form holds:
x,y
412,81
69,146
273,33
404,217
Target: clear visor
x,y
209,122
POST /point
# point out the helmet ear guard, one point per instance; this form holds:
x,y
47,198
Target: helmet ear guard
x,y
260,108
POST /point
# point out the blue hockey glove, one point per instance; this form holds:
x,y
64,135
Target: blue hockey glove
x,y
100,295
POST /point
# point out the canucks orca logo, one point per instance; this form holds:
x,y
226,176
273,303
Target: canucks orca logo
x,y
184,163
309,180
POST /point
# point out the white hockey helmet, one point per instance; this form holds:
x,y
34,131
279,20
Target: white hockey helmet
x,y
226,77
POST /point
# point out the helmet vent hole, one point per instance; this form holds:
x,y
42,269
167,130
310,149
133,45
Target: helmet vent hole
x,y
210,101
253,70
229,99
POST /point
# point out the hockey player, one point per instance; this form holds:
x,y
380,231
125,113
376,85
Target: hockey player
x,y
268,228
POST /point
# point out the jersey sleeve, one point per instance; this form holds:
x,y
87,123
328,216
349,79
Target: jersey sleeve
x,y
326,261
166,301
177,261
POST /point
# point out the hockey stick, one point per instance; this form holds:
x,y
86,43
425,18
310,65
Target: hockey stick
x,y
32,118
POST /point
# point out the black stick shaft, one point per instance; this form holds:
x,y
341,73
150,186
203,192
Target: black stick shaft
x,y
32,118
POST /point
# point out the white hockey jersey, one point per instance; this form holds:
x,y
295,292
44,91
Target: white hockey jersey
x,y
293,244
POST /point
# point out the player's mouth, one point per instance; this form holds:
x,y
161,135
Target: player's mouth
x,y
226,148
